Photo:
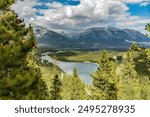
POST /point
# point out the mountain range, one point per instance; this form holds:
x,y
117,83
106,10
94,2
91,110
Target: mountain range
x,y
95,38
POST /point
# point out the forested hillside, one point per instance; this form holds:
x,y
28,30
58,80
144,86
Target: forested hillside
x,y
20,76
24,76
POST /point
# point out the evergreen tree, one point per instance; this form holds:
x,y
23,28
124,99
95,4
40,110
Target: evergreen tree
x,y
20,76
145,87
143,63
144,55
143,67
105,78
77,87
147,61
147,27
129,87
144,59
55,93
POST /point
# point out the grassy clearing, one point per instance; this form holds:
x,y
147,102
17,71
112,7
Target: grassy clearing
x,y
92,56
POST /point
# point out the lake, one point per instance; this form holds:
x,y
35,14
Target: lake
x,y
84,69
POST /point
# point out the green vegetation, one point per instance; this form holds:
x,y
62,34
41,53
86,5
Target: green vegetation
x,y
105,78
91,56
81,56
128,84
55,93
69,87
121,75
20,76
115,79
78,88
6,3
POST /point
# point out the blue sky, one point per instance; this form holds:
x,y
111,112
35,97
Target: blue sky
x,y
137,9
76,15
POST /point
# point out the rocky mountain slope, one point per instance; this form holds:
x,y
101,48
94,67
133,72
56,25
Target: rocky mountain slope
x,y
91,38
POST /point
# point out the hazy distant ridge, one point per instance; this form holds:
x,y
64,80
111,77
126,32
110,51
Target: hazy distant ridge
x,y
91,38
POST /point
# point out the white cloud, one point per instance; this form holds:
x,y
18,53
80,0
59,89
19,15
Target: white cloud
x,y
145,4
25,10
133,22
88,13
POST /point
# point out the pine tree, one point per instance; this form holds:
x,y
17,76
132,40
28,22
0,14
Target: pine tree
x,y
20,76
55,92
144,55
145,87
77,87
147,27
143,63
105,78
144,59
147,52
129,87
143,67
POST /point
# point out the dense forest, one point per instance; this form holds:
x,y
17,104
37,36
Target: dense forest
x,y
23,76
20,76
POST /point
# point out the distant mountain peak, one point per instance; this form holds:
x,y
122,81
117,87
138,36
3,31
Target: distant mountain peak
x,y
91,38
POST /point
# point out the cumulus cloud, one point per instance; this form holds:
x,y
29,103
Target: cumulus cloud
x,y
88,13
25,10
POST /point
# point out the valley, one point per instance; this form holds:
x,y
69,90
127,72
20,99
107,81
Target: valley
x,y
86,56
85,70
73,56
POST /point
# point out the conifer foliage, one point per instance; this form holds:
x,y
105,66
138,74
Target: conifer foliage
x,y
128,84
20,77
6,3
105,78
78,87
143,63
147,27
55,93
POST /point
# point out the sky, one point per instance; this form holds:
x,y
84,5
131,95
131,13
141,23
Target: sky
x,y
76,15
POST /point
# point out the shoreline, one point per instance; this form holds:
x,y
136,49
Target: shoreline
x,y
65,60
